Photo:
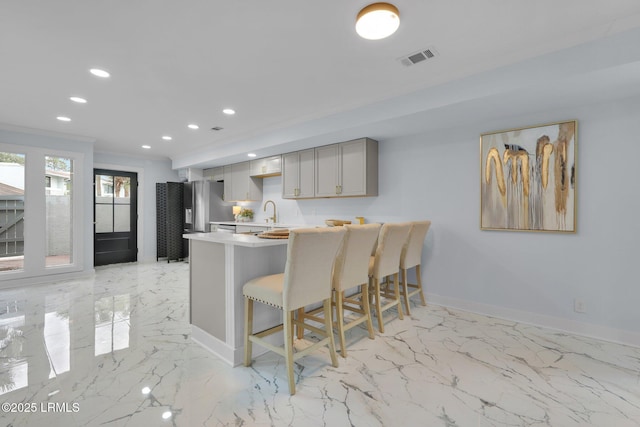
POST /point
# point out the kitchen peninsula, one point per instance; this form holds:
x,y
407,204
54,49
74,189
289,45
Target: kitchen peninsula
x,y
219,265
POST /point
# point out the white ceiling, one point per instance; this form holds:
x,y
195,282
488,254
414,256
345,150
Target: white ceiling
x,y
296,72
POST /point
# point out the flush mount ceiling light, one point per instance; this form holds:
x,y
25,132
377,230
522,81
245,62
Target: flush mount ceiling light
x,y
167,138
229,111
193,126
78,100
99,73
377,21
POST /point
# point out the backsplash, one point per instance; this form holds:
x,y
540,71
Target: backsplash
x,y
311,211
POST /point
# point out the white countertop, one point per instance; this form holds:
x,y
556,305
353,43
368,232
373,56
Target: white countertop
x,y
260,224
235,239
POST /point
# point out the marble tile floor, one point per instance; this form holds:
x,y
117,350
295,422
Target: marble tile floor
x,y
115,350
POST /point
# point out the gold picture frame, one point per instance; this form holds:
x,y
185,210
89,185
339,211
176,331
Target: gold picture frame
x,y
528,178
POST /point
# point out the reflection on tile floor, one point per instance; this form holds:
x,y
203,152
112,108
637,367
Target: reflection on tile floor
x,y
115,350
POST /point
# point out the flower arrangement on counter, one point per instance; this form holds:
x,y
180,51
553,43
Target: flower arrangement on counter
x,y
245,214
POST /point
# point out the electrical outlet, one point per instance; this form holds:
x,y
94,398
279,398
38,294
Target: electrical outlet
x,y
579,306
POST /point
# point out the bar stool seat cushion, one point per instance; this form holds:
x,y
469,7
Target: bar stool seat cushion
x,y
266,289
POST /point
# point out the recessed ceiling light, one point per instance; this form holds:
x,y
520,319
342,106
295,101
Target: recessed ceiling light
x,y
377,21
229,111
78,100
251,154
63,119
167,138
166,415
146,390
99,73
193,126
146,147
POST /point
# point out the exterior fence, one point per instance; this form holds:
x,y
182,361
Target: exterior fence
x,y
58,226
11,226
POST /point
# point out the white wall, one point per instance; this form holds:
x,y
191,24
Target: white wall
x,y
531,277
151,171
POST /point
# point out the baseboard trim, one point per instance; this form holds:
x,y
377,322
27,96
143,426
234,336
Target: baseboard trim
x,y
45,279
224,351
618,336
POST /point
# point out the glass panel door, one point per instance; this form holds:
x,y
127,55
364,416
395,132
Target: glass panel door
x,y
115,217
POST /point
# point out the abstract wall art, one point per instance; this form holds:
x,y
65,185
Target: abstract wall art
x,y
528,178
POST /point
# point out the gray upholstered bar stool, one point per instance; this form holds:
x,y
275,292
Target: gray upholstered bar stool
x,y
410,257
351,270
311,254
384,264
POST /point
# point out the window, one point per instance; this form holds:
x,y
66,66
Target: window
x,y
40,184
59,211
12,179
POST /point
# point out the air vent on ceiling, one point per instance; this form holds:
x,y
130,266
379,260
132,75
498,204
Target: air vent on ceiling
x,y
216,128
418,57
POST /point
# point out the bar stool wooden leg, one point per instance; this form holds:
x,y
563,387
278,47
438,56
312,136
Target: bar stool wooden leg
x,y
376,295
288,349
419,278
364,290
405,291
248,330
328,324
299,327
396,289
339,295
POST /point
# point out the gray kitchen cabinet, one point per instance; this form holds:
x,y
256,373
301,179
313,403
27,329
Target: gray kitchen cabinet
x,y
266,167
241,186
214,174
347,169
251,228
227,177
217,173
298,175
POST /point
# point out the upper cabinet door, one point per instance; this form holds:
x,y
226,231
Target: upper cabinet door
x,y
327,168
227,177
306,174
290,175
266,167
214,174
298,174
353,168
242,186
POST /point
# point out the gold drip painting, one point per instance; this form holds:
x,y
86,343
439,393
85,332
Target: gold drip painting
x,y
528,178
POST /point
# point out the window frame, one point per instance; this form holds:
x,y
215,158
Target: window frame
x,y
35,212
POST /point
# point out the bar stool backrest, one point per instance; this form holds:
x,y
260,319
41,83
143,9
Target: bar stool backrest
x,y
311,254
412,250
392,238
352,263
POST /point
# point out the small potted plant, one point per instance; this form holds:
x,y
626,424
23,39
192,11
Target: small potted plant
x,y
246,214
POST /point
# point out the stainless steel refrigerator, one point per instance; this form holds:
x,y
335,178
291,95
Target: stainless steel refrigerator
x,y
203,203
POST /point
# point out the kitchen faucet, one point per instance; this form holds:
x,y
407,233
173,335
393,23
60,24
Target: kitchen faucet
x,y
273,218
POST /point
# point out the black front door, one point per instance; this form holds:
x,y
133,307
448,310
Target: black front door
x,y
115,217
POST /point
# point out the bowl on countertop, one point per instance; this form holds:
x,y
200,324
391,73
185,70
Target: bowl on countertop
x,y
336,222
